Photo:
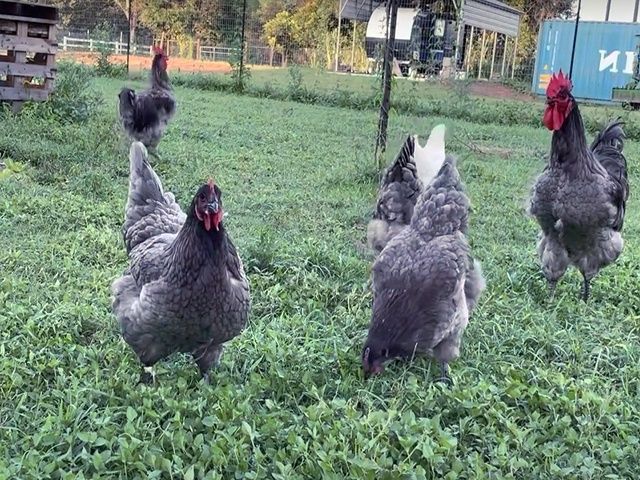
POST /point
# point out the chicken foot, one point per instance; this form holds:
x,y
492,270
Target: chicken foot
x,y
147,376
208,356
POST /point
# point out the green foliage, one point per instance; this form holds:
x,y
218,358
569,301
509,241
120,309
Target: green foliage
x,y
73,99
408,98
240,72
9,167
543,389
295,81
104,66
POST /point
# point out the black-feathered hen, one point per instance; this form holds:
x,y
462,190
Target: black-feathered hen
x,y
185,289
579,200
425,282
145,115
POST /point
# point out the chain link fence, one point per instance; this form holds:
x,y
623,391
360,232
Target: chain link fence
x,y
333,35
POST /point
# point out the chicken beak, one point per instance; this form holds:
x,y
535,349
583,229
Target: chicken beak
x,y
213,206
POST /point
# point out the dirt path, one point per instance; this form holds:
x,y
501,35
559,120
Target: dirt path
x,y
497,90
140,62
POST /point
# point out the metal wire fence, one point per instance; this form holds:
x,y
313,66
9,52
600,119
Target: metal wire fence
x,y
337,35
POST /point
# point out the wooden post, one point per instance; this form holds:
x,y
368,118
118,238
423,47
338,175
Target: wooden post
x,y
468,51
353,45
338,34
64,43
515,52
493,56
504,55
484,39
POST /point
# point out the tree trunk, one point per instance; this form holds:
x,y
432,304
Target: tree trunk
x,y
133,25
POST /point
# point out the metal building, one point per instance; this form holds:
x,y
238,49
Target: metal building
x,y
477,25
604,56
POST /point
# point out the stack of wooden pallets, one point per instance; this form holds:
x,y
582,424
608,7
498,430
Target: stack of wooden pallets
x,y
27,51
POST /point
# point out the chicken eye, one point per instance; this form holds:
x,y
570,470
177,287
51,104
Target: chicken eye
x,y
201,197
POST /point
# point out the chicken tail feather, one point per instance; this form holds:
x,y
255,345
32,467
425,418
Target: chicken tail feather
x,y
611,136
429,159
147,202
127,108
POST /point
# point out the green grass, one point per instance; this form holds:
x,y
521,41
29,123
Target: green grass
x,y
420,98
542,389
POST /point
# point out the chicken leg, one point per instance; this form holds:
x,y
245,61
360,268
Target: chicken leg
x,y
207,356
586,288
552,288
444,375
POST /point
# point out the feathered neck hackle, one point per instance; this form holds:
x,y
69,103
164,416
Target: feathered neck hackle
x,y
159,75
569,144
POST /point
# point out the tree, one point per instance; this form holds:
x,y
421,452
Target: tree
x,y
535,13
136,8
279,33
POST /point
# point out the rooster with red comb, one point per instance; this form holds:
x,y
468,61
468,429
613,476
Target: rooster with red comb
x,y
580,198
145,115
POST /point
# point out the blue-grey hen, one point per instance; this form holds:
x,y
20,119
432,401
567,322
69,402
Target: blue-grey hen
x,y
579,200
412,170
185,289
425,282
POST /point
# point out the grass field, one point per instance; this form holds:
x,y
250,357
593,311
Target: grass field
x,y
542,389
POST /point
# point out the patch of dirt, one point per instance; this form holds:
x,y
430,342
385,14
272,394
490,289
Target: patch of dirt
x,y
497,90
142,62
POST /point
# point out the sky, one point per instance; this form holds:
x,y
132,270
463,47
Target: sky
x,y
621,10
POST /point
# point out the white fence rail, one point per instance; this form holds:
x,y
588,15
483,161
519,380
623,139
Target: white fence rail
x,y
70,44
255,54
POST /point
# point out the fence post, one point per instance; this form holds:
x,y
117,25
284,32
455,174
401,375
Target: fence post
x,y
504,55
468,51
129,35
493,56
244,21
482,52
91,44
515,53
381,145
64,43
338,34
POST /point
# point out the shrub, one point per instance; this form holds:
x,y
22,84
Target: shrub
x,y
72,99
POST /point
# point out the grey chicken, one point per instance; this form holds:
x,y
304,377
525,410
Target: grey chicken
x,y
185,289
425,282
580,198
413,169
145,115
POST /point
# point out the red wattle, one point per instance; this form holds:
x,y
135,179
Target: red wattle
x,y
547,119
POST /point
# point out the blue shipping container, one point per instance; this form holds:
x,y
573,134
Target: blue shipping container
x,y
605,52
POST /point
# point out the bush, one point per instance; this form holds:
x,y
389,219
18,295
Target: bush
x,y
105,68
72,99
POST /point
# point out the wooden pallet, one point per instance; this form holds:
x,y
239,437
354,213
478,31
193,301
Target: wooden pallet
x,y
27,51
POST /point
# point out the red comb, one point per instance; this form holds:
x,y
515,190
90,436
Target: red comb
x,y
158,50
211,183
557,83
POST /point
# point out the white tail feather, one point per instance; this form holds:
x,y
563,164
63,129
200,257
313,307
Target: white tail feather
x,y
429,159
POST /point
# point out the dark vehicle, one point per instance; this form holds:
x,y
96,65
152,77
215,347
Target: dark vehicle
x,y
423,39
